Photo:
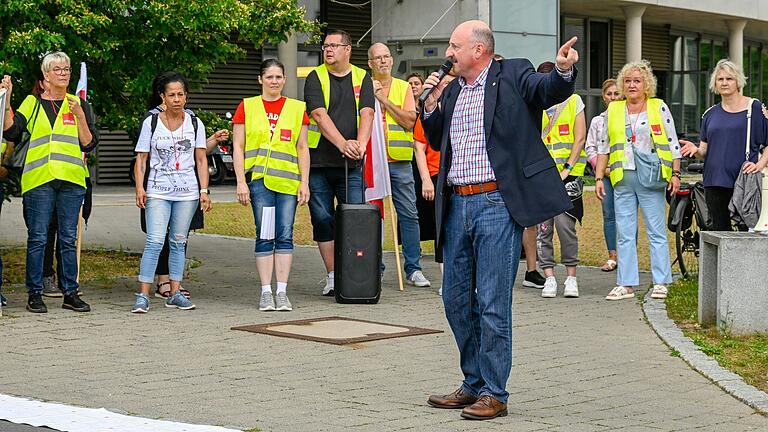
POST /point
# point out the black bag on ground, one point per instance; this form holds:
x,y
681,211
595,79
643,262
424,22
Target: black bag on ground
x,y
357,251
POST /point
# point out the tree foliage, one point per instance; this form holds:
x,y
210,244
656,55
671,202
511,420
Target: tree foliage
x,y
125,43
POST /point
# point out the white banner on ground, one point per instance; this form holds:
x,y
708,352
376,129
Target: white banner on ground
x,y
75,419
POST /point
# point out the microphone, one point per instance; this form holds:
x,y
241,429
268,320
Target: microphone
x,y
444,69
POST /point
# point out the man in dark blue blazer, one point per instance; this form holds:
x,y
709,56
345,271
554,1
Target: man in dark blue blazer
x,y
496,176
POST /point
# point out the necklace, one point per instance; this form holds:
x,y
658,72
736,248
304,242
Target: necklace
x,y
633,125
174,141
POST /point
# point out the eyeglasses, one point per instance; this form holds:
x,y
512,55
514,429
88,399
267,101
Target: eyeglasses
x,y
381,57
62,71
332,46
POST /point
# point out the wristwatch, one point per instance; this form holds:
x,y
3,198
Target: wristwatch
x,y
567,166
597,179
205,191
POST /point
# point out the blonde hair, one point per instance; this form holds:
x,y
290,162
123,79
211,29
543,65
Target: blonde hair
x,y
730,68
607,84
649,80
53,58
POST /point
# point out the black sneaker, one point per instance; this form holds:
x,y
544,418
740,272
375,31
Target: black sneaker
x,y
35,304
73,301
533,280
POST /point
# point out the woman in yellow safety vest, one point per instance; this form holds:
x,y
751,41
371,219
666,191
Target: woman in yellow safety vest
x,y
641,148
271,158
61,127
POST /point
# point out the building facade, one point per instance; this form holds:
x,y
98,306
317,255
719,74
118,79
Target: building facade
x,y
683,40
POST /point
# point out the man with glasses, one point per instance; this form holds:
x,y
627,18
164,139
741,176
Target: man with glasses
x,y
399,118
340,103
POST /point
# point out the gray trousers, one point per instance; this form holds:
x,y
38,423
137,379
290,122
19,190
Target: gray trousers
x,y
569,241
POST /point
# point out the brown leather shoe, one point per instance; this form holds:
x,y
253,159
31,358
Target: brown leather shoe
x,y
485,408
457,399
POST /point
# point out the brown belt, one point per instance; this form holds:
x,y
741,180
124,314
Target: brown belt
x,y
475,188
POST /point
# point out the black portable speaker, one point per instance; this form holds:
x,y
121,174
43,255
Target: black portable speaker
x,y
357,251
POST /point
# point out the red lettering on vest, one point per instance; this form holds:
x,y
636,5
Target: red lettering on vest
x,y
656,129
285,134
68,119
564,129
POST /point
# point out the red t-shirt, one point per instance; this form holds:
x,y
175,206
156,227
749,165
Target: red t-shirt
x,y
273,109
433,157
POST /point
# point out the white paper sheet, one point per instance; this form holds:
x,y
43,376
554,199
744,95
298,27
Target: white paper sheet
x,y
267,223
75,419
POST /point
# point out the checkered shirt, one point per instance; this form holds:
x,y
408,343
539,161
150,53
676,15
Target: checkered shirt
x,y
470,163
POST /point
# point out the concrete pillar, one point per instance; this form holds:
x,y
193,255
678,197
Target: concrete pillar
x,y
736,40
634,42
287,52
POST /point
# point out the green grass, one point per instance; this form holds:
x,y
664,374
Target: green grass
x,y
744,355
96,265
233,219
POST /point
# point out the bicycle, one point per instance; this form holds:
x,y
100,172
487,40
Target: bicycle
x,y
688,215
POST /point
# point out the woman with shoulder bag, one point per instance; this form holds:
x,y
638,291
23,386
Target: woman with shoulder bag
x,y
61,128
640,144
723,145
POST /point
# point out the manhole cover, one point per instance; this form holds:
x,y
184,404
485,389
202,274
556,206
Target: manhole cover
x,y
336,330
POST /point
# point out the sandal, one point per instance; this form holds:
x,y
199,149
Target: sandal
x,y
619,293
185,292
659,292
609,265
163,294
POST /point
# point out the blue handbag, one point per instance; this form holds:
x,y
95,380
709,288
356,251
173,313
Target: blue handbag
x,y
648,168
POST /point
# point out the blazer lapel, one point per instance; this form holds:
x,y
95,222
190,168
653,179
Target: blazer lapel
x,y
491,92
449,103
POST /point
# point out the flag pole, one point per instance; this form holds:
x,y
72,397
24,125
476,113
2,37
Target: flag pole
x,y
79,242
392,213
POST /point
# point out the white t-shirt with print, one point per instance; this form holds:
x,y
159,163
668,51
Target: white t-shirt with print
x,y
172,159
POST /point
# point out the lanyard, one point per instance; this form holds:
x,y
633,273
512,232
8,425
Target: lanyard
x,y
633,127
175,142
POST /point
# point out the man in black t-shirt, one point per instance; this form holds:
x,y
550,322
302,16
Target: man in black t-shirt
x,y
340,104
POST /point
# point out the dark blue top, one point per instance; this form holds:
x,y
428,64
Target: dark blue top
x,y
726,135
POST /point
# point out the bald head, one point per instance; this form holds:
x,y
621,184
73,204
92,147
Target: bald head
x,y
470,48
380,61
478,32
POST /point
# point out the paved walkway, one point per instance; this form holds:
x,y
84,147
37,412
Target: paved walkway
x,y
579,364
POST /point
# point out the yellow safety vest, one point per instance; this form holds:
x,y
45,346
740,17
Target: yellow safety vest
x,y
617,134
560,139
53,153
276,159
399,139
313,131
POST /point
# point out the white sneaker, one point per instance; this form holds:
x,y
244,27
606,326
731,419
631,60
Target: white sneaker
x,y
571,287
440,291
417,279
659,292
550,288
328,290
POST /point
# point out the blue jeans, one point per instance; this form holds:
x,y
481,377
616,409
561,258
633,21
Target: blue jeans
x,y
171,219
629,194
285,212
39,204
609,216
482,243
324,185
404,198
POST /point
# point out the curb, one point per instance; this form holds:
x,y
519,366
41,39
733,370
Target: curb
x,y
656,314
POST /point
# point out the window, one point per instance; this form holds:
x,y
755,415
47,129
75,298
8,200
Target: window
x,y
594,64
